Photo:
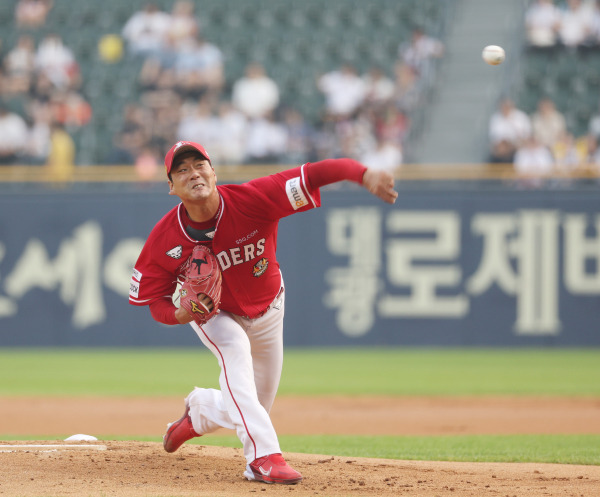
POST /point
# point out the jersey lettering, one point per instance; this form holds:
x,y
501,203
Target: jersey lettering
x,y
246,238
224,261
260,247
236,256
249,252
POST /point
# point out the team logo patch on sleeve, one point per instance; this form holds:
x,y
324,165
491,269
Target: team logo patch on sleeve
x,y
295,194
137,275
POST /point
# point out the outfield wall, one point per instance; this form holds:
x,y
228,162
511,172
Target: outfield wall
x,y
443,267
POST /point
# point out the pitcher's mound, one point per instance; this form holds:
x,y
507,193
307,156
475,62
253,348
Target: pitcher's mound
x,y
135,469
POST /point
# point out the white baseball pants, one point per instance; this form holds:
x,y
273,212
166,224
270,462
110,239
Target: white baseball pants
x,y
250,355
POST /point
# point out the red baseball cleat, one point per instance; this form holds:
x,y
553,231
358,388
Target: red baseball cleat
x,y
272,469
179,432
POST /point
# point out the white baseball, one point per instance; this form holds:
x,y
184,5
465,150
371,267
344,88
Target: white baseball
x,y
493,55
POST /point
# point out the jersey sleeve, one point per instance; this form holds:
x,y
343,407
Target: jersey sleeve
x,y
150,281
330,171
163,311
297,189
282,194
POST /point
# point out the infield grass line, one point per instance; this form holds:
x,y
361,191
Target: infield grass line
x,y
335,371
557,449
560,449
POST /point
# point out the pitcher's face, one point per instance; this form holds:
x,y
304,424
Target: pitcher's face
x,y
193,179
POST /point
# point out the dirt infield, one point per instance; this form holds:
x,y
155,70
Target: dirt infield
x,y
144,469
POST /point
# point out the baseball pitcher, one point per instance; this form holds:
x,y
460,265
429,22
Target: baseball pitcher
x,y
218,246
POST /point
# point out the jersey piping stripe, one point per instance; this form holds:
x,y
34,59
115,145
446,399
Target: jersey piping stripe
x,y
181,224
183,228
220,213
139,301
229,388
305,187
154,298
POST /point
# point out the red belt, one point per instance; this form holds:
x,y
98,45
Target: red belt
x,y
262,313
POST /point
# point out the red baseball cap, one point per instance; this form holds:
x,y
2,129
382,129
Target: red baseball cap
x,y
180,147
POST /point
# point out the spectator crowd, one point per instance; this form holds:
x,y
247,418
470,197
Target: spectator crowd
x,y
41,104
182,93
185,96
572,23
542,142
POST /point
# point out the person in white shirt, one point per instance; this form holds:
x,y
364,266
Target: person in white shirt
x,y
509,125
575,24
19,65
532,162
13,136
379,89
198,121
266,141
420,53
386,156
344,91
229,136
56,61
146,32
255,94
542,20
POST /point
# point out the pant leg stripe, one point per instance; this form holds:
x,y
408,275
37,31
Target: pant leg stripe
x,y
229,388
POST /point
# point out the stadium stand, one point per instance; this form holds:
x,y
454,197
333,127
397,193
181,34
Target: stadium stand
x,y
296,41
569,76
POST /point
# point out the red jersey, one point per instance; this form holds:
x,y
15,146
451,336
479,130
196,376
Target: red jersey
x,y
244,242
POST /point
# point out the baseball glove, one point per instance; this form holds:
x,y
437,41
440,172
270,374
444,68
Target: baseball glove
x,y
200,293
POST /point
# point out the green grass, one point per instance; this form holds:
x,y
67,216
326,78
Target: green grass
x,y
450,372
429,372
558,449
566,449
